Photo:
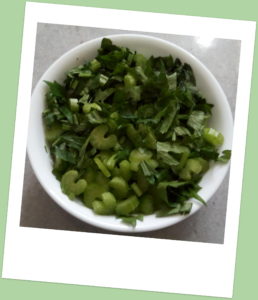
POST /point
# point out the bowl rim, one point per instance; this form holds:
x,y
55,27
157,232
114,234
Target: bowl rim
x,y
120,227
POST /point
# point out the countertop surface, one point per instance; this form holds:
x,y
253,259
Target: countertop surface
x,y
220,56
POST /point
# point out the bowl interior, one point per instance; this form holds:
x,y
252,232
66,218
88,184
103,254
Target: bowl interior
x,y
40,159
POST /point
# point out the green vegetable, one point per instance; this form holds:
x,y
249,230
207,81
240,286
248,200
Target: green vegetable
x,y
102,167
137,156
225,157
119,187
70,187
53,133
98,139
95,65
97,185
136,189
127,206
132,220
74,106
194,166
106,206
129,135
125,169
213,137
87,107
147,204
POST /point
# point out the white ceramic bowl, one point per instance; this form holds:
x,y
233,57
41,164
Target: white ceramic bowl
x,y
221,120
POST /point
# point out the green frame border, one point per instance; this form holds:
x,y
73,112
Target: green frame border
x,y
12,14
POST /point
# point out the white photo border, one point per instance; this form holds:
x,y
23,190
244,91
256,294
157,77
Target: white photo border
x,y
122,261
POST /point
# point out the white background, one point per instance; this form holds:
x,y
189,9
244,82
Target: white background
x,y
119,261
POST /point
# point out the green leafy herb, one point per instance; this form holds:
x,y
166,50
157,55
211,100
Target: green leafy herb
x,y
132,220
197,120
225,157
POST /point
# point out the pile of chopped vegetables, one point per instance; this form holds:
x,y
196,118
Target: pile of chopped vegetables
x,y
128,135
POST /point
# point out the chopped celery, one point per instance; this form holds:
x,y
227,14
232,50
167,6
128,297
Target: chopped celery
x,y
136,189
102,167
129,80
124,126
213,137
127,206
95,65
119,187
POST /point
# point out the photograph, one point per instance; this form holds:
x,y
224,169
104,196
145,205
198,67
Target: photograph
x,y
129,149
155,157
